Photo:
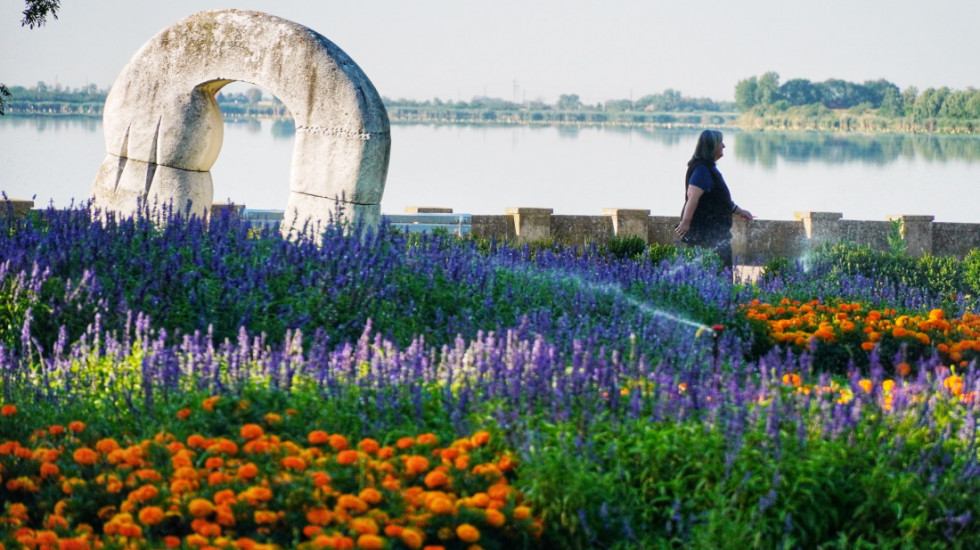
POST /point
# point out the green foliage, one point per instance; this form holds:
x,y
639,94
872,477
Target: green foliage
x,y
936,276
896,238
630,247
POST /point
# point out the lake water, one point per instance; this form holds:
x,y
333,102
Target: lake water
x,y
574,170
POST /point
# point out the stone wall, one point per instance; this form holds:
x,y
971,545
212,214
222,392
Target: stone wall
x,y
754,242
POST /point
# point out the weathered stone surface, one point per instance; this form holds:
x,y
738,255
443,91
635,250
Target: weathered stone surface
x,y
163,128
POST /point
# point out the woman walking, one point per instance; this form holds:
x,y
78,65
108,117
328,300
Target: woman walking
x,y
706,219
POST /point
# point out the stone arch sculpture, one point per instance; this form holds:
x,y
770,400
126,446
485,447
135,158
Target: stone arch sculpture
x,y
163,127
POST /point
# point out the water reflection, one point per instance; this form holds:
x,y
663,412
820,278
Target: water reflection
x,y
766,149
283,128
45,123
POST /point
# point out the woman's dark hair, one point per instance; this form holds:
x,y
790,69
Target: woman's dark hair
x,y
705,149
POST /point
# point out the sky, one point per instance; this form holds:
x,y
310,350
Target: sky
x,y
531,50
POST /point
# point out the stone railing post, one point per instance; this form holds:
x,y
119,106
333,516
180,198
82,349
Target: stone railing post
x,y
629,223
916,232
530,224
15,207
820,227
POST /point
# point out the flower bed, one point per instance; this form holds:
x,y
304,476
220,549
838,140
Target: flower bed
x,y
254,488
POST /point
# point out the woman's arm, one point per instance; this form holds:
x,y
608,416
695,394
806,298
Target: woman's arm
x,y
693,196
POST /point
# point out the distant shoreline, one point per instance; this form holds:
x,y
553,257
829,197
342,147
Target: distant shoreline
x,y
843,122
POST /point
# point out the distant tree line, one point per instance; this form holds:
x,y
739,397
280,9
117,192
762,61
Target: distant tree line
x,y
670,101
931,109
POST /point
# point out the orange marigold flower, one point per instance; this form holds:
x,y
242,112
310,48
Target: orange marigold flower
x,y
76,426
248,471
867,346
364,526
338,442
899,332
49,470
251,431
439,505
499,491
170,541
106,446
151,515
393,530
197,441
903,369
224,496
865,385
416,464
412,537
293,463
369,446
8,410
370,495
449,454
347,456
405,442
56,429
495,518
55,521
265,517
320,479
480,438
144,494
353,503
506,463
183,413
467,533
318,437
319,516
427,439
85,456
208,404
205,528
370,542
436,478
200,507
522,512
224,445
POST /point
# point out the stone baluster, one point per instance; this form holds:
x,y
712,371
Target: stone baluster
x,y
629,222
530,224
820,227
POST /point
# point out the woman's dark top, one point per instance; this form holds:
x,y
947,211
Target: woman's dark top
x,y
712,220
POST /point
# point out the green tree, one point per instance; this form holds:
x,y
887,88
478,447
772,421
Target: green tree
x,y
35,15
767,92
745,94
800,91
892,103
569,102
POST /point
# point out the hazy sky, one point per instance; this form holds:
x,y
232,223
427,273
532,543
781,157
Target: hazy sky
x,y
529,49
